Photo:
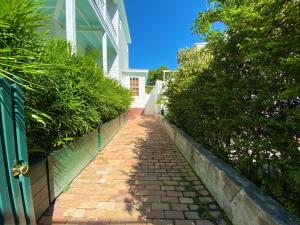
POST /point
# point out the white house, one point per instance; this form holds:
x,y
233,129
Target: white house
x,y
136,80
99,26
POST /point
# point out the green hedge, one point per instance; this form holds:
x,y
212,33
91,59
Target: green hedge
x,y
74,98
240,96
66,94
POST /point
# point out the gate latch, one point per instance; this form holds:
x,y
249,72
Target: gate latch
x,y
20,168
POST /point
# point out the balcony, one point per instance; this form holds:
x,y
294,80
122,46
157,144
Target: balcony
x,y
106,21
100,4
110,25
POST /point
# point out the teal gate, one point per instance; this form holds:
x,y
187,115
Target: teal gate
x,y
16,206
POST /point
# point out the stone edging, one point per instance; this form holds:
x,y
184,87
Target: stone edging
x,y
242,201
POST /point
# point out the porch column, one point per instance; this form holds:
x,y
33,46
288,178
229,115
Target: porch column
x,y
116,22
104,53
104,9
71,24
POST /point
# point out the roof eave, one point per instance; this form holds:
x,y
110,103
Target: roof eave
x,y
136,71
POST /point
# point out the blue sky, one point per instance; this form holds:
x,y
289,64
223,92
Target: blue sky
x,y
159,28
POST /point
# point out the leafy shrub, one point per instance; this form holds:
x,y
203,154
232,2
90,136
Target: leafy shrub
x,y
243,103
149,89
66,95
73,99
19,39
156,74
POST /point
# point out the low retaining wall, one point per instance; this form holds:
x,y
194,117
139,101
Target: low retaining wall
x,y
240,199
39,187
52,176
65,164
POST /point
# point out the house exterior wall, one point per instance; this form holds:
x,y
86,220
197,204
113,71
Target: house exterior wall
x,y
113,24
113,65
123,52
99,25
140,100
112,10
118,61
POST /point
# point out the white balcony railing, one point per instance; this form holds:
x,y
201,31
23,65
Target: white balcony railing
x,y
100,4
110,24
105,18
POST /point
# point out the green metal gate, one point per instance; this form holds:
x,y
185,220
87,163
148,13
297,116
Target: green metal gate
x,y
16,205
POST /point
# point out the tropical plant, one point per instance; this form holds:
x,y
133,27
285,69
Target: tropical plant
x,y
244,104
66,95
74,97
19,39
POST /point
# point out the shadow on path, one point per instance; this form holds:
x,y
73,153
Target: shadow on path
x,y
139,178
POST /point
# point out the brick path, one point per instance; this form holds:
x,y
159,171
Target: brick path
x,y
139,178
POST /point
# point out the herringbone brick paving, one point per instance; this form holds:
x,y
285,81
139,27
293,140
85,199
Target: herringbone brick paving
x,y
139,178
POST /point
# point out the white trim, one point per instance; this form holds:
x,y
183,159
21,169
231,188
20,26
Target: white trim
x,y
102,19
104,53
71,24
89,29
123,17
136,71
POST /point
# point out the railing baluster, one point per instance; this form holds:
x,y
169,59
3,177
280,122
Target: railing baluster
x,y
100,6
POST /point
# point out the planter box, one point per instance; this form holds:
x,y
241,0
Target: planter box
x,y
240,199
39,187
65,164
52,176
109,130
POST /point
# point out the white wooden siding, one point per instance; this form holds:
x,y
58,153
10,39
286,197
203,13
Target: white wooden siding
x,y
113,65
141,100
123,52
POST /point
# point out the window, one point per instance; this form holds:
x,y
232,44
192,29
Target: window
x,y
134,86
